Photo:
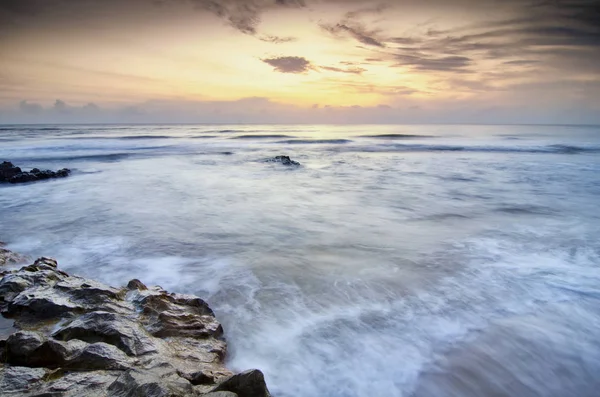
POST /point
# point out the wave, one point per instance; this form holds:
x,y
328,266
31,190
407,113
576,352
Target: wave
x,y
396,136
233,131
525,210
315,141
556,149
146,137
203,137
112,157
261,136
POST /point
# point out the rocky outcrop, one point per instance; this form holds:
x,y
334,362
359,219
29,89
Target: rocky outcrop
x,y
285,160
11,174
77,337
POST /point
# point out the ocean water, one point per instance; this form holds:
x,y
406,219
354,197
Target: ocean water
x,y
397,261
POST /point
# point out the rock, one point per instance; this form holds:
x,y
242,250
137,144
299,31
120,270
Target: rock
x,y
178,315
11,174
135,383
199,378
99,355
34,350
111,328
247,384
136,284
20,379
285,160
62,383
77,337
10,258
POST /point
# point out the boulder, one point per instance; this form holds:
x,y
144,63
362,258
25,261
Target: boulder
x,y
247,384
11,174
285,160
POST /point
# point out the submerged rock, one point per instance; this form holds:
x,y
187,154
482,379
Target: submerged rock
x,y
76,337
285,160
11,174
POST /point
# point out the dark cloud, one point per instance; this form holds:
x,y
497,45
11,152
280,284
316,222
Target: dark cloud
x,y
244,15
447,63
355,30
291,64
521,62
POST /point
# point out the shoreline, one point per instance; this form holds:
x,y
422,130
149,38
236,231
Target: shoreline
x,y
72,336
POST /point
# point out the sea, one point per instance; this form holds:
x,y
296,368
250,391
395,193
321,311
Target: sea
x,y
396,260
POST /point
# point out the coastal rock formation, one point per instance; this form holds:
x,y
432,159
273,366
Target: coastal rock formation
x,y
11,174
77,337
285,160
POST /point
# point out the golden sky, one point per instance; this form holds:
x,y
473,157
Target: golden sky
x,y
299,53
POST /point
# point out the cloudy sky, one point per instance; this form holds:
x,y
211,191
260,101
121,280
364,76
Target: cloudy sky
x,y
347,61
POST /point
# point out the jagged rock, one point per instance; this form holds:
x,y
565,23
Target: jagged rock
x,y
78,337
62,383
285,160
20,380
34,350
99,355
11,174
247,384
178,315
135,383
111,328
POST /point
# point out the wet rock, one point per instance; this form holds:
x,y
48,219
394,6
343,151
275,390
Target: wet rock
x,y
99,355
135,383
34,350
41,303
247,384
178,315
111,328
19,380
78,337
136,284
285,160
62,383
11,174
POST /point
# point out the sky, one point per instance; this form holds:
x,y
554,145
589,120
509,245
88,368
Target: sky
x,y
300,61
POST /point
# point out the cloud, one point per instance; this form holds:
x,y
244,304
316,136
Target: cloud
x,y
262,110
289,64
355,30
427,63
351,70
277,39
30,108
244,15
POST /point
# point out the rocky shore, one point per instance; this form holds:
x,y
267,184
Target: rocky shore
x,y
63,335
